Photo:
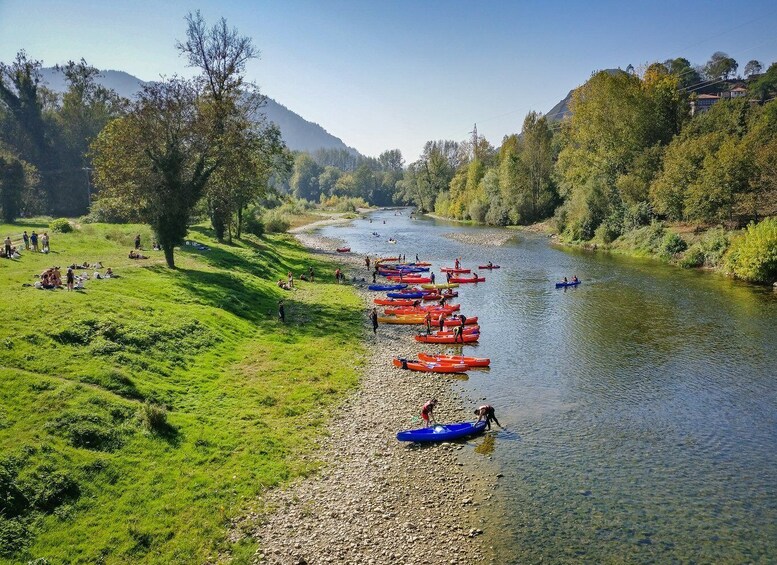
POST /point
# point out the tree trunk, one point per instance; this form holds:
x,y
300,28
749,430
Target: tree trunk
x,y
239,228
169,256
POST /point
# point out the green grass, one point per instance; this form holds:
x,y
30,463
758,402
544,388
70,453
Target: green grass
x,y
236,399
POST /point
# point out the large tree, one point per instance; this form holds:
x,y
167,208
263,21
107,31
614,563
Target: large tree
x,y
158,158
720,66
753,67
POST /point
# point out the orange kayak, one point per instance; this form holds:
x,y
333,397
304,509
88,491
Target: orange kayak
x,y
456,359
466,338
429,367
394,301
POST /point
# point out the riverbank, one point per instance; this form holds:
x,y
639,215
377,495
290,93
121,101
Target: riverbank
x,y
377,500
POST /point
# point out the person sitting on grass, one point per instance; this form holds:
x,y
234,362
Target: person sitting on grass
x,y
109,273
134,255
487,411
283,284
427,412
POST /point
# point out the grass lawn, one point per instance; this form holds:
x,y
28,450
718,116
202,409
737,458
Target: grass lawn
x,y
91,470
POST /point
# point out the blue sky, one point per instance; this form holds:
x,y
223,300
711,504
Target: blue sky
x,y
395,74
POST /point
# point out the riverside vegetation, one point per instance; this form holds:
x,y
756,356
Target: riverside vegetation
x,y
140,416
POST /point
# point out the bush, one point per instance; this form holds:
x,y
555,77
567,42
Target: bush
x,y
87,431
753,255
672,244
60,225
253,225
13,503
694,257
275,221
153,418
14,537
47,489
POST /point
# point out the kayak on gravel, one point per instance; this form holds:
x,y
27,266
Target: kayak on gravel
x,y
456,359
443,432
429,367
448,338
387,286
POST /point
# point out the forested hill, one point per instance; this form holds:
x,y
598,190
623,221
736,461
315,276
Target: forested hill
x,y
298,133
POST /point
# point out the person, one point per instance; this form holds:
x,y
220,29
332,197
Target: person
x,y
428,320
337,275
109,273
137,241
490,264
26,239
442,321
457,333
463,319
281,311
427,412
311,274
431,277
475,276
8,251
574,279
282,284
34,241
448,277
374,320
374,275
487,411
443,298
44,240
565,280
156,246
416,258
457,263
291,279
71,278
367,262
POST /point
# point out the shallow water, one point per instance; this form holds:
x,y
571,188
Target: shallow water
x,y
640,407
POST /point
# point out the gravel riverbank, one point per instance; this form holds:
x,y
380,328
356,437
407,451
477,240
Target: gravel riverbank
x,y
377,500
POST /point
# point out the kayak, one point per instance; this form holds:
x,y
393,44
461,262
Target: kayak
x,y
466,338
394,301
405,320
343,249
468,330
404,294
430,366
565,284
468,361
454,270
489,267
440,285
422,310
457,321
468,279
444,432
384,259
387,286
409,279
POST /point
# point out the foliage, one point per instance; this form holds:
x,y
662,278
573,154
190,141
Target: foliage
x,y
275,221
720,66
753,255
61,225
672,244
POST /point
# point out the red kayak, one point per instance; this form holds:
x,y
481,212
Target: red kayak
x,y
410,280
436,296
394,301
419,311
454,270
468,279
456,360
466,338
489,267
343,249
473,321
467,331
429,366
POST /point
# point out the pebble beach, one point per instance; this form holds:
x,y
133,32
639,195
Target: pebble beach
x,y
376,500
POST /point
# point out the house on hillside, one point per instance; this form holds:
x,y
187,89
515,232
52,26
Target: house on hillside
x,y
703,102
738,91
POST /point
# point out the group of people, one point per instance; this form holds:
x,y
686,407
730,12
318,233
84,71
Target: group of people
x,y
10,251
574,280
485,412
51,278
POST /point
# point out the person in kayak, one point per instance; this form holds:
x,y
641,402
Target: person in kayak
x,y
565,280
488,413
374,320
427,412
490,265
574,279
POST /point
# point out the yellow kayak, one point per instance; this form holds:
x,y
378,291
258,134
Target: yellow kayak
x,y
439,285
411,320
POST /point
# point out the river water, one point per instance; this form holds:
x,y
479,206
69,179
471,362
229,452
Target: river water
x,y
640,407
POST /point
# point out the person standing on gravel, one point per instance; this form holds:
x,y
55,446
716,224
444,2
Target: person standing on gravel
x,y
427,412
367,262
428,320
374,320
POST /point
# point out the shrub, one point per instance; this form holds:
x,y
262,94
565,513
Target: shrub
x,y
253,225
47,488
153,417
14,537
12,500
753,255
694,257
672,244
87,431
275,221
60,225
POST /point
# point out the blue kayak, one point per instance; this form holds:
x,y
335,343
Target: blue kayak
x,y
411,295
564,284
387,286
443,433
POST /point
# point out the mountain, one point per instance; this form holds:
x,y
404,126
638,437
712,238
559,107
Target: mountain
x,y
298,133
561,109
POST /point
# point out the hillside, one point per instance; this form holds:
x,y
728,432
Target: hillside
x,y
298,133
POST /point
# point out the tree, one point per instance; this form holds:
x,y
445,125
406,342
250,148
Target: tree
x,y
720,66
391,160
221,54
686,74
304,180
13,179
158,159
753,67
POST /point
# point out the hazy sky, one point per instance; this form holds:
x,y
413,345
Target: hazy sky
x,y
394,74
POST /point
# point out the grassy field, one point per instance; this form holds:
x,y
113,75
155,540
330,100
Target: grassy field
x,y
92,470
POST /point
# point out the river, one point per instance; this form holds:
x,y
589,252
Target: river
x,y
640,407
